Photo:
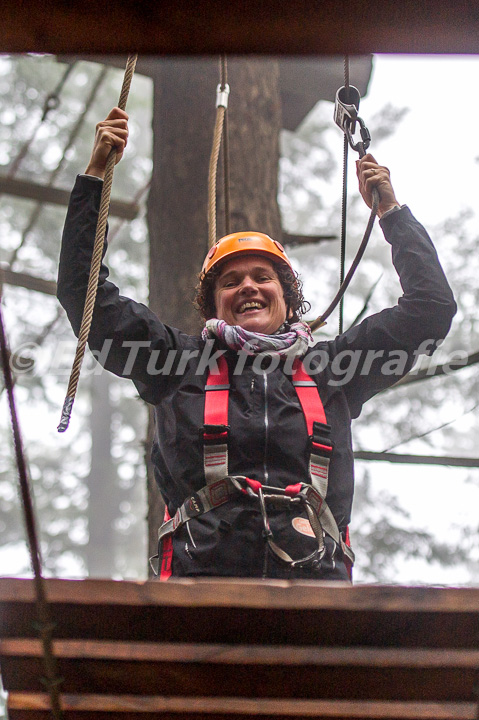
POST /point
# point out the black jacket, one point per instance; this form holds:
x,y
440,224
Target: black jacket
x,y
228,540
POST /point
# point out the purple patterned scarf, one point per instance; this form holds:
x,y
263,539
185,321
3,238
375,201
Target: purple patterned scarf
x,y
295,341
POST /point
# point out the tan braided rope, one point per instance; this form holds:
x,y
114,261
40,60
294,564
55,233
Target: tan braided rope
x,y
213,169
96,260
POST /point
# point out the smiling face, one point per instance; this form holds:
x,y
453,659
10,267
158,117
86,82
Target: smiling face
x,y
248,293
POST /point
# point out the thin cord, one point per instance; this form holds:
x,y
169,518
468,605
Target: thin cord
x,y
44,624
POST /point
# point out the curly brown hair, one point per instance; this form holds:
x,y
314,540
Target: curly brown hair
x,y
289,279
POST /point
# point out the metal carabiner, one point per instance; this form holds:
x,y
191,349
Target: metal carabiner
x,y
362,145
346,116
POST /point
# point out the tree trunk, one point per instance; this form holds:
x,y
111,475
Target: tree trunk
x,y
183,122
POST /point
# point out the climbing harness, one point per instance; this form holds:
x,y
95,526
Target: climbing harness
x,y
44,623
222,94
221,487
347,118
96,260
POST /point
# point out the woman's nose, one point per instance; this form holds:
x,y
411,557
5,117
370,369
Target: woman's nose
x,y
248,285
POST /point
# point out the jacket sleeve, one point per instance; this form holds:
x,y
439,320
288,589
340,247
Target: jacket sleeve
x,y
125,335
419,321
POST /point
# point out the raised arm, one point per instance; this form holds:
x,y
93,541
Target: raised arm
x,y
423,314
124,333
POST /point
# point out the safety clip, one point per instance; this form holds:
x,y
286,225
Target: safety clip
x,y
346,116
222,95
346,108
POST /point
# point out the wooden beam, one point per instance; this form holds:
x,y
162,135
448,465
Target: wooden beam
x,y
213,26
123,706
57,196
416,459
294,240
239,593
239,654
211,610
30,282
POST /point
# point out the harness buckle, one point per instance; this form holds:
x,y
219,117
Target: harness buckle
x,y
213,434
321,443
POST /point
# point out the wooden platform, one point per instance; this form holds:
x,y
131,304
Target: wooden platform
x,y
240,649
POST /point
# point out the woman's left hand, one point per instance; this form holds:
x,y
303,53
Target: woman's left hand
x,y
371,175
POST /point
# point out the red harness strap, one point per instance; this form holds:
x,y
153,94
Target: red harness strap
x,y
215,436
215,431
167,552
215,439
308,396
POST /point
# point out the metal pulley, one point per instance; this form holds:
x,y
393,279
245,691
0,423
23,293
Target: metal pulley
x,y
346,116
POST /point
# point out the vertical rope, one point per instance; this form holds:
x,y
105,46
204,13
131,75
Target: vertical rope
x,y
344,201
222,92
212,172
96,261
44,622
226,162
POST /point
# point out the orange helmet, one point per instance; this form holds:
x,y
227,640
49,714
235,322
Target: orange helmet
x,y
244,242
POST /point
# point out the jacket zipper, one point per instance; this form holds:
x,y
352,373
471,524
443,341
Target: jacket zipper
x,y
266,427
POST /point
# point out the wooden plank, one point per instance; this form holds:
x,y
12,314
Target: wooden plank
x,y
56,196
236,708
212,26
246,593
246,654
268,612
246,681
318,673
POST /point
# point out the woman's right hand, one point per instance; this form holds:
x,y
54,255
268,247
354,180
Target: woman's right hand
x,y
112,132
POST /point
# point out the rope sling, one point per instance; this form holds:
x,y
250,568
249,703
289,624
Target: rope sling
x,y
96,260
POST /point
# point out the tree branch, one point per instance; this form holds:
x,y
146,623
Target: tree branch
x,y
416,459
19,279
444,369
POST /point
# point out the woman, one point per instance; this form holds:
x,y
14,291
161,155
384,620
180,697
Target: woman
x,y
253,403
